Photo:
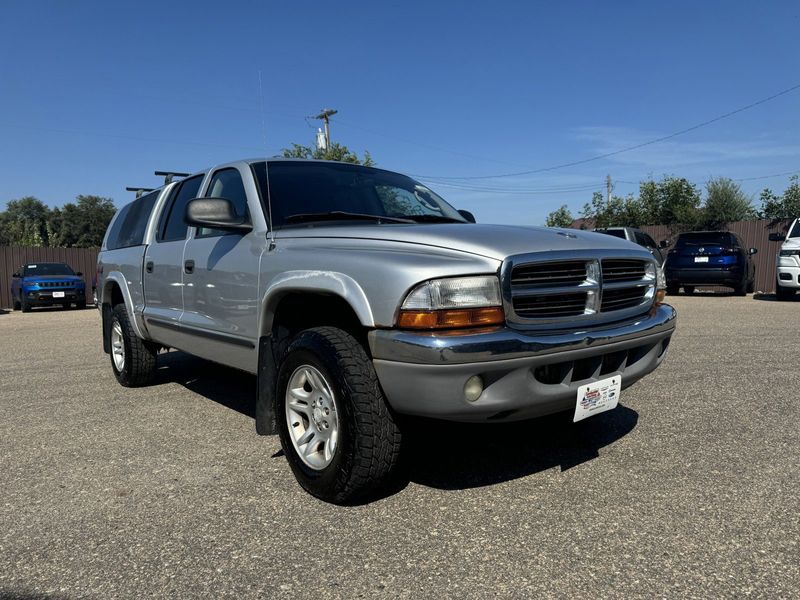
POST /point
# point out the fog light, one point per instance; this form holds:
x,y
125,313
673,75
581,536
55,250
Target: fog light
x,y
473,388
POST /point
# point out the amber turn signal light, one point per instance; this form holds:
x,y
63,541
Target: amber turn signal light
x,y
660,296
450,319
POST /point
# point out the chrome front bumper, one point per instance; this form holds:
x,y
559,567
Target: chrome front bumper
x,y
525,374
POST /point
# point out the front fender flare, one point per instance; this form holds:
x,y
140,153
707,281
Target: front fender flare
x,y
327,282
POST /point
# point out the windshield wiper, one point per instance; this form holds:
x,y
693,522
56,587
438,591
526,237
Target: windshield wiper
x,y
434,219
340,215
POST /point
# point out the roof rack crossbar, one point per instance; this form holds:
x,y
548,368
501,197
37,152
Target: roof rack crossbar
x,y
170,175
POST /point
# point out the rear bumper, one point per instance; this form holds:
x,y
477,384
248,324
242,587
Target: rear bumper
x,y
729,276
525,374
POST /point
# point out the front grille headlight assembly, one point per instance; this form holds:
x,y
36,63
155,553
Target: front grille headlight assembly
x,y
453,303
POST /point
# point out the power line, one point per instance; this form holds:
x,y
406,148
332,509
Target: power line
x,y
795,172
629,148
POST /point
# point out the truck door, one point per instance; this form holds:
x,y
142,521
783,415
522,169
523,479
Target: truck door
x,y
221,278
163,266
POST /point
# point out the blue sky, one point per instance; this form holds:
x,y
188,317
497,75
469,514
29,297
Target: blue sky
x,y
95,96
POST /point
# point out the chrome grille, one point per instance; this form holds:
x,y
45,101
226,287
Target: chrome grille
x,y
551,287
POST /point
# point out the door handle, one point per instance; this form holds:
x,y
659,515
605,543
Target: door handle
x,y
149,266
188,266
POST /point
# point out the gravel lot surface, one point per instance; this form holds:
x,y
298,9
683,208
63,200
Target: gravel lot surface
x,y
688,489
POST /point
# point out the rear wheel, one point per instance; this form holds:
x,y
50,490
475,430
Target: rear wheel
x,y
751,286
783,293
81,304
66,305
339,436
689,289
132,359
740,290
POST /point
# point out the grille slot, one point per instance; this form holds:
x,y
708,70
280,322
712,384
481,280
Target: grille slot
x,y
622,298
617,270
548,306
55,284
550,274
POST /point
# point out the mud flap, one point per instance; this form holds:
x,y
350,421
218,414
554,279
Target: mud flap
x,y
106,313
265,401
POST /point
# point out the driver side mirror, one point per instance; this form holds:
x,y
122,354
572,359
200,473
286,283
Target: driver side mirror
x,y
777,237
467,215
753,251
79,274
215,213
663,243
15,276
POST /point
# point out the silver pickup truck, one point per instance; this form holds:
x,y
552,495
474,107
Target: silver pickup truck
x,y
358,296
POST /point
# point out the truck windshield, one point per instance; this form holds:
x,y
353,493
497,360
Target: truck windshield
x,y
795,232
47,269
335,192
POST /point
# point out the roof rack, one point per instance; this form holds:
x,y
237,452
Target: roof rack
x,y
169,175
140,191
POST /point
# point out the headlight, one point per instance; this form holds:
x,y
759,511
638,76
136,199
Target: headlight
x,y
455,302
794,252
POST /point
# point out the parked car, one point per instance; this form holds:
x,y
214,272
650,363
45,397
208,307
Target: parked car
x,y
788,262
46,284
637,236
710,258
357,295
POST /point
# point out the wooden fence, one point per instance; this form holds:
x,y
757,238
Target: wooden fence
x,y
754,234
13,257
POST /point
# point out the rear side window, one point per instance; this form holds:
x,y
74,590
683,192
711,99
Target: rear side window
x,y
620,233
129,226
172,225
228,184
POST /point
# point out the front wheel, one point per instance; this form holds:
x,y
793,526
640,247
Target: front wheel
x,y
783,293
17,304
24,304
340,438
132,359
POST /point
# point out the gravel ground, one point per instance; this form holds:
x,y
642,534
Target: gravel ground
x,y
688,489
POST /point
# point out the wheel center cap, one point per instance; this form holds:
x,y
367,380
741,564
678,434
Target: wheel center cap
x,y
319,414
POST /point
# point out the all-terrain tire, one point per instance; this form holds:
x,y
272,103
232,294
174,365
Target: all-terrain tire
x,y
367,453
783,293
139,367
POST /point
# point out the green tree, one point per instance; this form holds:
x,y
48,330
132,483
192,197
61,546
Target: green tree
x,y
24,222
83,223
336,152
725,203
679,203
785,206
559,218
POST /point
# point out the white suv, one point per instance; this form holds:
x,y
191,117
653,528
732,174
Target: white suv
x,y
788,263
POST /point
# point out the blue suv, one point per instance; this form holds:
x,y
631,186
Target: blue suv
x,y
710,258
46,284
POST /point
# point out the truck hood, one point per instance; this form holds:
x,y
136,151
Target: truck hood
x,y
491,241
791,244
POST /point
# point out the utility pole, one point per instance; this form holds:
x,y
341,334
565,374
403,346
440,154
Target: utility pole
x,y
609,187
325,116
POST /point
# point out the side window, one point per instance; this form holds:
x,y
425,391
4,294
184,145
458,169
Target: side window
x,y
172,226
228,184
130,225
